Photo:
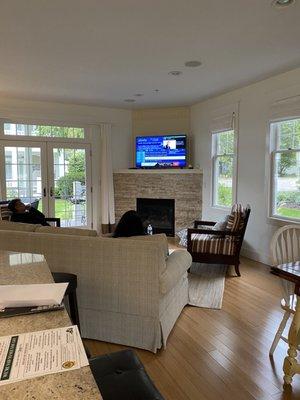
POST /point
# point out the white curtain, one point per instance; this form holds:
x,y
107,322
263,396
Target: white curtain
x,y
285,108
224,119
106,182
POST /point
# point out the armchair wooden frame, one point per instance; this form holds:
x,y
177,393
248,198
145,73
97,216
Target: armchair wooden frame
x,y
210,258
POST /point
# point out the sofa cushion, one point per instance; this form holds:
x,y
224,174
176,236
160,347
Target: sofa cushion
x,y
159,237
66,231
17,226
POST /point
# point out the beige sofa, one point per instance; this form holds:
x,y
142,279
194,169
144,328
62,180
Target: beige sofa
x,y
129,291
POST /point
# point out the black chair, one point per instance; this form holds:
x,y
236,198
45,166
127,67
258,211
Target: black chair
x,y
121,375
55,220
71,279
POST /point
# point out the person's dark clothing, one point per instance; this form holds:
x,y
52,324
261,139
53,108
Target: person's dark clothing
x,y
32,216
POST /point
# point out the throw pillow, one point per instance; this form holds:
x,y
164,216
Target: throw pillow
x,y
221,225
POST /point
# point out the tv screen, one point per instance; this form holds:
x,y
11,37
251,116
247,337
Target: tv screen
x,y
161,151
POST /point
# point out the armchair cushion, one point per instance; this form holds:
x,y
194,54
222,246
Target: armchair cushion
x,y
218,226
213,244
236,219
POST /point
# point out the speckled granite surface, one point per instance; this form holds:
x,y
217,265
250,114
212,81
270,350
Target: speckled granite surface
x,y
77,384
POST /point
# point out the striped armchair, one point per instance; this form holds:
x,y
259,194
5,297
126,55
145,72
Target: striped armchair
x,y
219,246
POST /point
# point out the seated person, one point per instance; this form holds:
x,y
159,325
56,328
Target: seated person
x,y
25,214
130,224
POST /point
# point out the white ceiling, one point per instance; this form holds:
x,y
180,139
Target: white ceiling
x,y
101,52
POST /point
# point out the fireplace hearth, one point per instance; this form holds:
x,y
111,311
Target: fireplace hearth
x,y
160,213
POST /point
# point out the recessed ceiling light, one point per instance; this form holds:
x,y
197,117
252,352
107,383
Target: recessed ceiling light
x,y
129,100
282,3
139,95
175,73
193,63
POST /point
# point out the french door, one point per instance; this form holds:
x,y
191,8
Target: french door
x,y
54,176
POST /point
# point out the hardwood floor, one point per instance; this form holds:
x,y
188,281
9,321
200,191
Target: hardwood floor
x,y
223,354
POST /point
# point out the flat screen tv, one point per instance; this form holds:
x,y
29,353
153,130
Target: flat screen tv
x,y
168,151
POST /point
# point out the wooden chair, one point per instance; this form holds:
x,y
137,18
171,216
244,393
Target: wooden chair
x,y
5,213
285,247
220,247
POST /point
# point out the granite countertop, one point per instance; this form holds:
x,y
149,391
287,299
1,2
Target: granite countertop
x,y
20,268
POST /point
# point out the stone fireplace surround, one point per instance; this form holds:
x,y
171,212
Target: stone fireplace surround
x,y
184,186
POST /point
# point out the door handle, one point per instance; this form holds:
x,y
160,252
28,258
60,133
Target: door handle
x,y
44,192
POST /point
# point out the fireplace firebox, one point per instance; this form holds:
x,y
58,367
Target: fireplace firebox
x,y
160,213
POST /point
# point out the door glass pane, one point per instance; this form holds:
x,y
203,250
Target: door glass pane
x,y
23,173
43,131
70,186
287,184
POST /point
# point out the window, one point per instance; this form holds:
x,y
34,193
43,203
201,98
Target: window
x,y
224,161
285,169
43,131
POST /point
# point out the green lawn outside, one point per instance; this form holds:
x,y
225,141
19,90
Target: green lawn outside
x,y
289,212
63,209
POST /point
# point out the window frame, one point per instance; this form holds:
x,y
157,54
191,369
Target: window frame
x,y
273,151
214,158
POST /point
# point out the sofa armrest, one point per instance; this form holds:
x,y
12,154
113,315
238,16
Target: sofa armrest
x,y
177,264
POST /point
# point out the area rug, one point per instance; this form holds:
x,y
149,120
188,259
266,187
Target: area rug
x,y
206,285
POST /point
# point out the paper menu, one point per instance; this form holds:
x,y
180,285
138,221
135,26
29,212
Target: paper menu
x,y
34,354
31,295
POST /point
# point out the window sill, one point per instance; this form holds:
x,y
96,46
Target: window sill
x,y
220,208
279,220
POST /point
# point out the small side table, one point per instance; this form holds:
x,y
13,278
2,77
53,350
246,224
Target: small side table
x,y
291,272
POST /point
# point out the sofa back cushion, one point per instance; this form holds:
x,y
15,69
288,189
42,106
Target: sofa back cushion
x,y
107,269
17,226
159,237
66,231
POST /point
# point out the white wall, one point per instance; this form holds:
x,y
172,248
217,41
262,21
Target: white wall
x,y
252,186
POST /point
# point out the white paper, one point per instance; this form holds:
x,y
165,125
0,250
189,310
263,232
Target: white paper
x,y
31,295
34,354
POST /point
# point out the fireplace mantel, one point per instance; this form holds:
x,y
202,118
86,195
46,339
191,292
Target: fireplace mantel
x,y
159,171
182,185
